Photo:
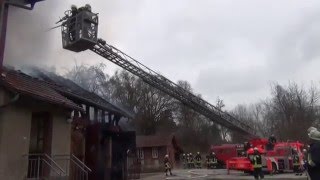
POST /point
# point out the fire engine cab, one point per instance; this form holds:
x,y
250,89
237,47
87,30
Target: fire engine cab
x,y
277,157
225,152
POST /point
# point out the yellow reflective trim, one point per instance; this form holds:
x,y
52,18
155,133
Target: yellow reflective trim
x,y
310,162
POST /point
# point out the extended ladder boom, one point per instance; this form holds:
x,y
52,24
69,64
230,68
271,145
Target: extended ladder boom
x,y
160,82
80,32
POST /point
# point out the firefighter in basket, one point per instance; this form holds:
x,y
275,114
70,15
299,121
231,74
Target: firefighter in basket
x,y
198,160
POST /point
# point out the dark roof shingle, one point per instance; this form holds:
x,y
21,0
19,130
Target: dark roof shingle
x,y
69,88
24,84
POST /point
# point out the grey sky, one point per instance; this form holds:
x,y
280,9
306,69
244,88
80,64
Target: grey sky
x,y
231,49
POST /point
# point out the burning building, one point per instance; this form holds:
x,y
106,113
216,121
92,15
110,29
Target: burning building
x,y
49,126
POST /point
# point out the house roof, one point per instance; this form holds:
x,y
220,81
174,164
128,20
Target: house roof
x,y
154,140
21,83
69,88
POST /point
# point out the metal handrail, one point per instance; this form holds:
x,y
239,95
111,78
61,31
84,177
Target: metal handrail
x,y
76,160
54,163
52,167
47,156
47,160
81,170
81,163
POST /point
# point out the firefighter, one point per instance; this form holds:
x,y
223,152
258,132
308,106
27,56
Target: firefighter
x,y
314,154
305,161
191,160
86,7
272,139
74,10
72,25
207,160
184,160
246,146
198,160
167,165
296,163
256,162
188,161
271,142
212,160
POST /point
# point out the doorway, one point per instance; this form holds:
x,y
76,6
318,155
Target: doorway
x,y
40,143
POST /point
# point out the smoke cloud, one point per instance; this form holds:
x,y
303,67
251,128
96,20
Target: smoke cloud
x,y
29,43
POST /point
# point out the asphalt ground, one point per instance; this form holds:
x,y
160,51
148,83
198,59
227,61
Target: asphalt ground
x,y
215,174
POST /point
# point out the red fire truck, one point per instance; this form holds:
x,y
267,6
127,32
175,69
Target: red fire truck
x,y
277,157
225,152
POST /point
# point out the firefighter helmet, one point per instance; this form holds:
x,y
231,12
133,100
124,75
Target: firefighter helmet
x,y
314,134
88,7
73,7
304,150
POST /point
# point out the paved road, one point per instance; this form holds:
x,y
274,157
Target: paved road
x,y
215,174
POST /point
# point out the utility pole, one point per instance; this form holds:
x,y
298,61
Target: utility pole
x,y
4,10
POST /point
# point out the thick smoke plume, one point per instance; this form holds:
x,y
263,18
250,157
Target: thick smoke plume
x,y
27,43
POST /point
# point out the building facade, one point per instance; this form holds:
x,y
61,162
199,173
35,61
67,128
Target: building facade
x,y
50,127
151,151
33,120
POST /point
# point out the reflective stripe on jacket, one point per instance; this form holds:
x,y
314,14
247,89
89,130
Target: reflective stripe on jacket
x,y
256,161
296,160
310,162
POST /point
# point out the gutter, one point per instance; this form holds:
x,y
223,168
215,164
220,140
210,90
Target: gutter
x,y
22,5
13,100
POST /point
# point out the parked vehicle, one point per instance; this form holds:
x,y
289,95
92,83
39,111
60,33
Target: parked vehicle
x,y
277,157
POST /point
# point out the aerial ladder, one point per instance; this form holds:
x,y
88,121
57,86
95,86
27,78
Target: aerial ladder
x,y
79,33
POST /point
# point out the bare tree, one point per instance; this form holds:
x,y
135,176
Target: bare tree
x,y
292,110
91,78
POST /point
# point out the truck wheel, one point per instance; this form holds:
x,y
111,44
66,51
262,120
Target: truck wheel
x,y
274,168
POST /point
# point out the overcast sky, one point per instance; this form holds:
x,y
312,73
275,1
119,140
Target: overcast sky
x,y
231,49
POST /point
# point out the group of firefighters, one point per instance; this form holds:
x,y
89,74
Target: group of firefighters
x,y
310,162
74,10
190,161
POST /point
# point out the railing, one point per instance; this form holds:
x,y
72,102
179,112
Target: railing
x,y
73,167
42,166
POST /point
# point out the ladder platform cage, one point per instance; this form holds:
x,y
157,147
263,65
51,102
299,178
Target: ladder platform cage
x,y
79,31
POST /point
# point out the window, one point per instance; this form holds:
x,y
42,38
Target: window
x,y
154,152
140,153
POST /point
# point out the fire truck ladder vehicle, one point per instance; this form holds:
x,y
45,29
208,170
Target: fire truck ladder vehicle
x,y
277,157
79,32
